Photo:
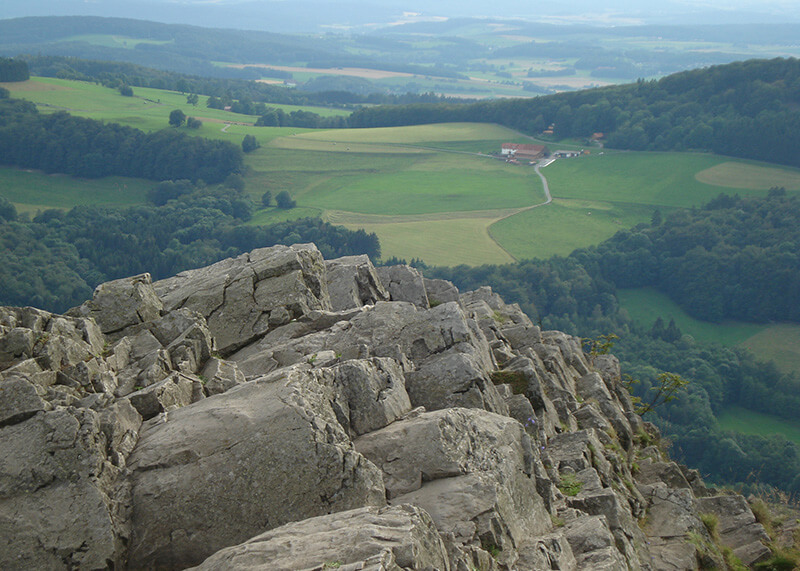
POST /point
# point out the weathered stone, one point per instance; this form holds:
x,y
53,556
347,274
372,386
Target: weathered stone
x,y
173,392
56,485
737,527
352,282
19,400
453,379
404,283
651,472
16,345
373,394
237,296
259,456
440,291
221,376
372,539
121,303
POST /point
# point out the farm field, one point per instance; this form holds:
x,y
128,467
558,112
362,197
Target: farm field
x,y
426,190
738,419
148,109
769,342
31,191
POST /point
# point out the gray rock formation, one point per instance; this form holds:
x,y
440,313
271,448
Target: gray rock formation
x,y
277,411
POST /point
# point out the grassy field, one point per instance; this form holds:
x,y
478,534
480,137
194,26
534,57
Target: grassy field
x,y
738,419
31,190
559,228
769,342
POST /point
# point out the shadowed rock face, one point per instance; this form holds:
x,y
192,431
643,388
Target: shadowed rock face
x,y
279,411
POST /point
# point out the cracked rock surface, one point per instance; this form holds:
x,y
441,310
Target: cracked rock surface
x,y
280,411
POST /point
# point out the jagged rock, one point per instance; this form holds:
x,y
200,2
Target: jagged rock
x,y
404,283
221,376
353,282
267,452
373,394
671,517
372,539
58,508
453,379
175,391
593,544
84,484
478,490
19,400
440,291
738,528
243,298
651,472
121,303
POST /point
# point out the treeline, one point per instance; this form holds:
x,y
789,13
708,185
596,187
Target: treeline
x,y
62,143
56,260
745,244
744,109
13,70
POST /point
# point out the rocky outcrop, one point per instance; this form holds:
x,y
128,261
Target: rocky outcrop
x,y
279,411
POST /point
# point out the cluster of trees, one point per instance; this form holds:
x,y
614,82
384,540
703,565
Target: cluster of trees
x,y
744,109
272,117
736,258
60,142
56,260
749,268
13,70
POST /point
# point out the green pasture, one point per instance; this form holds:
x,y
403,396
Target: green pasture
x,y
33,190
460,183
148,109
558,228
447,242
747,175
419,134
273,215
777,342
657,179
645,305
738,419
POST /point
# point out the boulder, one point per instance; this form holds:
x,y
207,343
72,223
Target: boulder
x,y
234,465
59,503
352,282
371,538
119,304
440,291
242,298
404,283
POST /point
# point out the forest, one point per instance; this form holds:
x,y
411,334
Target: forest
x,y
55,260
743,109
743,244
62,143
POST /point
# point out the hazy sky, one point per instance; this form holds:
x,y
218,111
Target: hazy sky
x,y
310,15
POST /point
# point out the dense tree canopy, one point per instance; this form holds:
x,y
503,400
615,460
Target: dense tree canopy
x,y
55,260
60,142
745,109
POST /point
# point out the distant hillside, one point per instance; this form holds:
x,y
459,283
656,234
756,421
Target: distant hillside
x,y
743,109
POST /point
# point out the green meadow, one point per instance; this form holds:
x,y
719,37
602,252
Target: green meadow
x,y
32,190
769,342
738,419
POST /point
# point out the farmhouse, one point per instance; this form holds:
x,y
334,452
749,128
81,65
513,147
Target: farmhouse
x,y
523,152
